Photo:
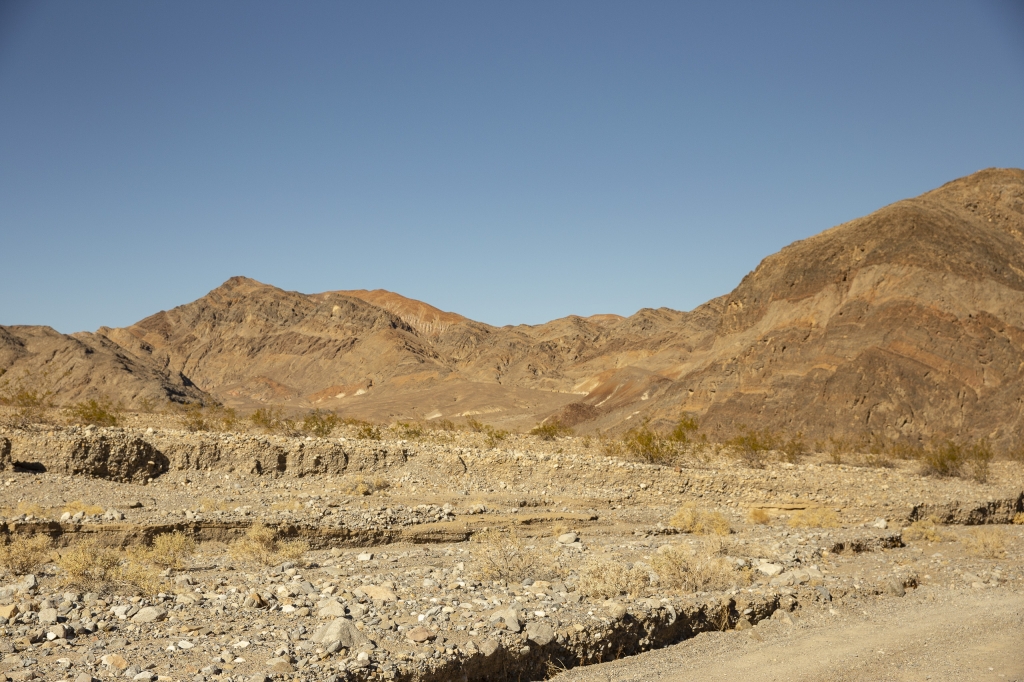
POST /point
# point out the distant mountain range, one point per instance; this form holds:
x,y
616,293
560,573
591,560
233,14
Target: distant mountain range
x,y
907,323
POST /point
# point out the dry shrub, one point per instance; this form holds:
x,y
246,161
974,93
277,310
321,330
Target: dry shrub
x,y
172,550
368,432
21,555
690,519
363,486
291,550
816,517
408,431
969,460
607,579
504,555
759,516
928,530
26,508
260,545
753,446
208,504
644,443
90,566
987,541
702,568
80,506
1018,518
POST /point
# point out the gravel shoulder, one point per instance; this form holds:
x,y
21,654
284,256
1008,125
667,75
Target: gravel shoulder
x,y
933,635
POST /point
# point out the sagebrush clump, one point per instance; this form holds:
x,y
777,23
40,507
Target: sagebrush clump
x,y
607,579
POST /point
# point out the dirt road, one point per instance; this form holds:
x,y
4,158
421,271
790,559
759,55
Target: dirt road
x,y
931,634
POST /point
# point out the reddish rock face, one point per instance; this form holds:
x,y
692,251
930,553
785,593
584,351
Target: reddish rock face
x,y
905,324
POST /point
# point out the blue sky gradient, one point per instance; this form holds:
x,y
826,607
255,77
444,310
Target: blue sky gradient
x,y
512,162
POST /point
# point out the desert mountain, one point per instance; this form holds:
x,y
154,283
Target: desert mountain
x,y
43,361
906,323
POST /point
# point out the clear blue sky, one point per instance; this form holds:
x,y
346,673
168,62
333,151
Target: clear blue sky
x,y
513,162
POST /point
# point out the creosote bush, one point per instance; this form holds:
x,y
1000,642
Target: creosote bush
x,y
957,459
644,443
320,423
815,517
21,555
504,555
260,545
691,519
100,412
171,550
550,430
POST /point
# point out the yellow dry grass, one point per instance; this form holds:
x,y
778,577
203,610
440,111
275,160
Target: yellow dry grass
x,y
690,519
816,517
988,542
759,516
504,555
927,530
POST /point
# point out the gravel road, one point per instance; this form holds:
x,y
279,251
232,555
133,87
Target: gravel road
x,y
932,634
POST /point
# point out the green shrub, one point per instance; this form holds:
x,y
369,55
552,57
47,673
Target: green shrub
x,y
753,445
96,412
646,444
950,458
550,430
320,423
685,429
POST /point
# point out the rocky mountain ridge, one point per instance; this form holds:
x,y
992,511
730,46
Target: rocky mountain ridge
x,y
905,324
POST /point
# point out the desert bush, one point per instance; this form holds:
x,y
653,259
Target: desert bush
x,y
320,423
171,550
752,446
260,545
644,443
80,506
28,398
951,458
21,555
986,541
815,517
100,412
690,519
685,429
90,566
759,516
270,419
607,579
1018,518
495,436
25,508
928,530
193,418
363,486
702,568
443,425
794,448
837,449
475,425
550,430
368,431
504,555
409,431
